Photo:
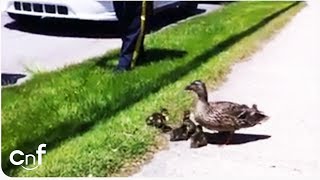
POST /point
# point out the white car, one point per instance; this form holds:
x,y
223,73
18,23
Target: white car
x,y
94,10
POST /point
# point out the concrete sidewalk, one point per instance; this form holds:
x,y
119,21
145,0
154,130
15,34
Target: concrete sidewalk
x,y
284,80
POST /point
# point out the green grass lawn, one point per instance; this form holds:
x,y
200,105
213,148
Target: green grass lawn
x,y
93,121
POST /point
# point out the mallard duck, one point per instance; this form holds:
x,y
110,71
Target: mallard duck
x,y
223,116
190,126
198,138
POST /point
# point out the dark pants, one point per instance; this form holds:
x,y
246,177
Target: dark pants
x,y
129,13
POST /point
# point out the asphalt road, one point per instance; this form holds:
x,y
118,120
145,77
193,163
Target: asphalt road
x,y
53,44
283,79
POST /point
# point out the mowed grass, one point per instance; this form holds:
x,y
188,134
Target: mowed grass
x,y
65,104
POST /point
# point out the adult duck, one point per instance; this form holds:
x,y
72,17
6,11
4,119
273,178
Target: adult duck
x,y
223,116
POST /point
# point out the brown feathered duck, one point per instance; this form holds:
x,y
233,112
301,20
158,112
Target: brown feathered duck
x,y
223,116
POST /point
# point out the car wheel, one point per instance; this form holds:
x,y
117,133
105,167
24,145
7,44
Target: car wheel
x,y
24,18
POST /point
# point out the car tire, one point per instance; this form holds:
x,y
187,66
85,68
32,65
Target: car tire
x,y
24,18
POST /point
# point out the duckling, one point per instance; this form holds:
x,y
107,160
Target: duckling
x,y
165,128
158,119
186,129
223,116
190,126
179,134
198,138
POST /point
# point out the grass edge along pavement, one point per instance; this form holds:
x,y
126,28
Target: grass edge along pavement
x,y
65,157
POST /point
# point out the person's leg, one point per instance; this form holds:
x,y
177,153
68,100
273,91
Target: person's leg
x,y
120,8
131,42
133,33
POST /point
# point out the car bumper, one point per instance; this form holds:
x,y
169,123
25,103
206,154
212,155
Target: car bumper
x,y
96,10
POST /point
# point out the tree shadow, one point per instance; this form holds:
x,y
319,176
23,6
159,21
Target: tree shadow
x,y
238,138
10,79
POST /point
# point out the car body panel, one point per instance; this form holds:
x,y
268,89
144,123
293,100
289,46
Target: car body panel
x,y
95,10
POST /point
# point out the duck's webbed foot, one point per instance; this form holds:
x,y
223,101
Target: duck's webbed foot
x,y
229,137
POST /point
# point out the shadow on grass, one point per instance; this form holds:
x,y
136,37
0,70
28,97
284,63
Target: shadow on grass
x,y
155,55
238,138
67,130
151,56
10,79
